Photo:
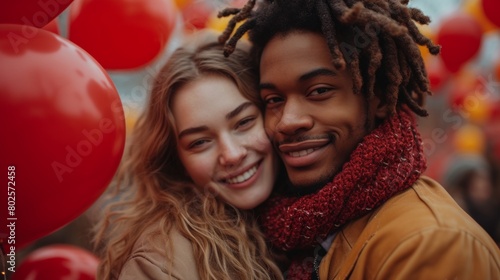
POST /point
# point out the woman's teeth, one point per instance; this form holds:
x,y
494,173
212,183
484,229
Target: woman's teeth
x,y
242,178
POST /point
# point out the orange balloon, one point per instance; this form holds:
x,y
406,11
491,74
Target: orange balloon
x,y
131,115
473,8
427,32
478,109
182,3
470,139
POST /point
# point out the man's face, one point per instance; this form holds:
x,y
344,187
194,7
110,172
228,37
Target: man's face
x,y
312,115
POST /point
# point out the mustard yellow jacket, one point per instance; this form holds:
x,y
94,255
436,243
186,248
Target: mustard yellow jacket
x,y
419,234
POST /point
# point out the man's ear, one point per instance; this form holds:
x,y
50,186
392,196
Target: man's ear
x,y
379,105
380,108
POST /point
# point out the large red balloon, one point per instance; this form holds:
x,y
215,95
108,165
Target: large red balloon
x,y
58,262
122,34
491,9
31,12
460,37
63,132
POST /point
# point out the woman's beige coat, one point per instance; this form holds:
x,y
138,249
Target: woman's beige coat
x,y
419,234
146,262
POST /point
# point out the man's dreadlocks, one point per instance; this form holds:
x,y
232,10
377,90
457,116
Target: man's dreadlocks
x,y
388,53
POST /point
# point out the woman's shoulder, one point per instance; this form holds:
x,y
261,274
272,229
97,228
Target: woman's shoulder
x,y
156,256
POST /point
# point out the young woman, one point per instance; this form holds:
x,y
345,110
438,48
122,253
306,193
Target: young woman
x,y
198,159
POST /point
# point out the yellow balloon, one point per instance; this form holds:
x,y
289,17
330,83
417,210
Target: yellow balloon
x,y
131,116
470,139
473,8
427,32
219,24
477,108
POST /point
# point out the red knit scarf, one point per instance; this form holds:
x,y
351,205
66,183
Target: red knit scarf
x,y
387,161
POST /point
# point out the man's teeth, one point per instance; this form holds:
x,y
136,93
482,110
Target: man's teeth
x,y
242,178
301,153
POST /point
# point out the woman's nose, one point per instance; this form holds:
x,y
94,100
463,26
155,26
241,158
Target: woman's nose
x,y
232,152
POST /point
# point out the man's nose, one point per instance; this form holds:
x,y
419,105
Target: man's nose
x,y
294,119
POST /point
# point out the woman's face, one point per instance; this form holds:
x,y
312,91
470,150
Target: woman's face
x,y
221,141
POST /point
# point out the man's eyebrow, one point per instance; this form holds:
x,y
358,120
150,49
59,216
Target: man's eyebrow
x,y
266,86
192,130
238,110
317,72
306,76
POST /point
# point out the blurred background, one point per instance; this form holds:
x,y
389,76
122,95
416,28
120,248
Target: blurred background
x,y
131,39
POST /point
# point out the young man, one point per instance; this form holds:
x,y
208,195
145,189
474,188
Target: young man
x,y
342,81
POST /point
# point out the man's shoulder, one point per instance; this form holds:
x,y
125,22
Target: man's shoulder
x,y
426,206
422,227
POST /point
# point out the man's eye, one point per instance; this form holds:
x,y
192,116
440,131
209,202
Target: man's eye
x,y
319,91
273,100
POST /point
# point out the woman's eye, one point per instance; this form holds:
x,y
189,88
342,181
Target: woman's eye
x,y
198,143
246,122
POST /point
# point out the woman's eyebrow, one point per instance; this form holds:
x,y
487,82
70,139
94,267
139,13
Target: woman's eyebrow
x,y
238,110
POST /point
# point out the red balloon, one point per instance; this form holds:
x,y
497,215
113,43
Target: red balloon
x,y
53,27
491,9
122,34
58,262
496,69
437,73
36,13
458,93
460,37
196,15
63,132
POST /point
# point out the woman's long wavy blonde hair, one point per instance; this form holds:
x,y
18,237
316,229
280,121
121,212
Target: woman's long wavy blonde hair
x,y
154,190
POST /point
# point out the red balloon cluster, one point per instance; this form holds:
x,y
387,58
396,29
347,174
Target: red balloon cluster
x,y
491,9
63,132
122,34
31,12
58,262
460,37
